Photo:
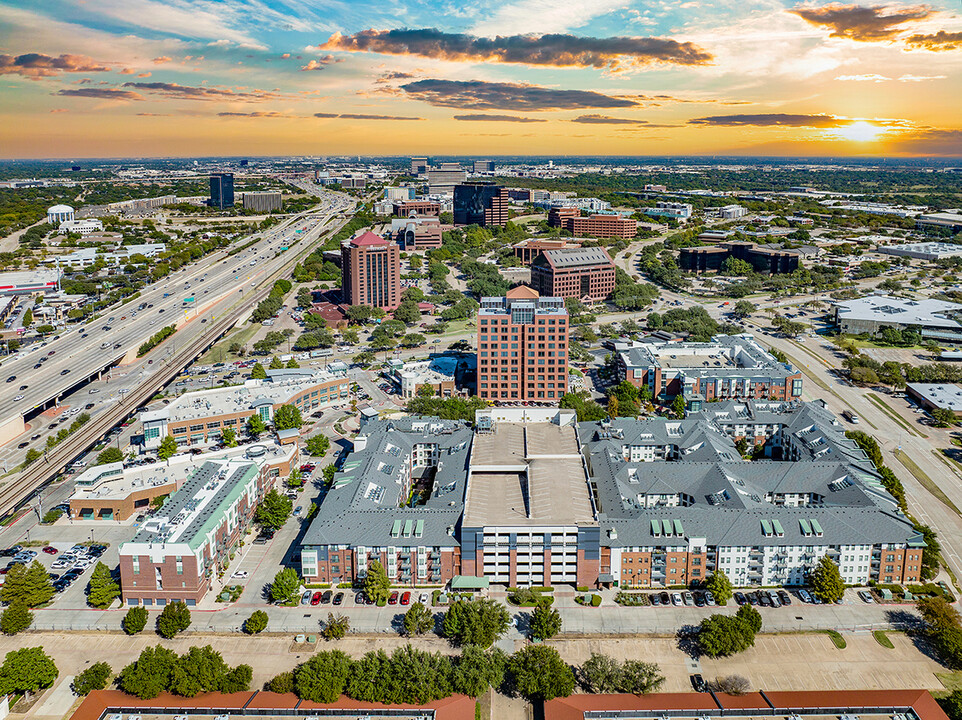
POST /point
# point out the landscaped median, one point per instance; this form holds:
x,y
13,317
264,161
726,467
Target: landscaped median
x,y
156,339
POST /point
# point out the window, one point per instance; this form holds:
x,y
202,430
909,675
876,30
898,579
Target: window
x,y
151,433
195,428
136,562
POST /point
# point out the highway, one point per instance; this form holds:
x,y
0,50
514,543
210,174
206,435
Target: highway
x,y
38,377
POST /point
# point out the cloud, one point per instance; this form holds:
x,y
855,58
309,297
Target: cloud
x,y
359,116
606,120
162,59
920,78
498,118
929,141
871,77
59,110
394,75
144,74
38,65
101,93
259,114
153,115
481,95
861,23
772,120
558,50
938,42
321,62
189,92
128,71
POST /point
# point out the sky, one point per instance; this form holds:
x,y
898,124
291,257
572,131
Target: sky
x,y
121,78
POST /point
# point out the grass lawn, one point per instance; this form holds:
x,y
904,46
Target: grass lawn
x,y
219,352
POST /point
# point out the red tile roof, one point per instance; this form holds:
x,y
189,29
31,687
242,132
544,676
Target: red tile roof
x,y
368,238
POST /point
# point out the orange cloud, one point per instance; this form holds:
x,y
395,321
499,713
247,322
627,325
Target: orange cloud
x,y
162,59
38,65
863,24
320,63
938,42
189,92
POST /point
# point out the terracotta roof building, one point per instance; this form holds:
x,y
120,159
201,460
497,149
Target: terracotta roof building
x,y
371,272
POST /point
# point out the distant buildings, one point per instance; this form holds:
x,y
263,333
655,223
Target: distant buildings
x,y
763,259
141,205
442,180
441,373
528,250
406,208
221,190
85,257
940,221
416,232
730,367
484,166
924,250
730,212
599,226
371,272
584,273
81,227
399,194
678,211
932,396
419,165
522,348
934,319
263,202
481,204
59,214
200,418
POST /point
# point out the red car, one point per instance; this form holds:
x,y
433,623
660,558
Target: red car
x,y
406,598
316,598
50,550
393,599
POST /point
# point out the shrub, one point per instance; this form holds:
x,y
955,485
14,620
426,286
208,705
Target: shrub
x,y
256,623
93,678
135,620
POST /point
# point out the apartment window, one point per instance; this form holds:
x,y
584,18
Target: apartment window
x,y
136,562
195,428
180,565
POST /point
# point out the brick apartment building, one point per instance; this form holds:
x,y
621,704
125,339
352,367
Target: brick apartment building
x,y
583,273
522,347
763,259
599,226
481,204
371,272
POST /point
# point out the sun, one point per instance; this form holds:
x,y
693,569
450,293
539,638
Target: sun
x,y
859,131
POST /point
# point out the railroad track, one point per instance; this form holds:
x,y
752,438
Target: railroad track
x,y
21,488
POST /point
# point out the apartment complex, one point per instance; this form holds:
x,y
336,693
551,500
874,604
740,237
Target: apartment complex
x,y
371,272
198,418
115,492
762,259
522,347
177,553
481,204
584,273
527,250
599,226
531,496
676,501
221,190
730,367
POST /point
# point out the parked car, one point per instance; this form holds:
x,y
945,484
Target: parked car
x,y
700,599
784,597
655,599
339,598
306,597
698,683
406,598
689,599
665,599
50,550
740,598
866,596
709,598
240,575
676,599
393,599
805,596
359,598
316,598
326,597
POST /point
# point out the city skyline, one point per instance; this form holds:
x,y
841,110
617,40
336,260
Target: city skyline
x,y
117,78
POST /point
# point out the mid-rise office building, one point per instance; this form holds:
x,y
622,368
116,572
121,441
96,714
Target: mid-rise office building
x,y
600,226
199,418
522,348
407,208
763,259
80,227
728,367
399,194
934,319
678,211
417,233
419,165
442,180
178,552
584,273
221,190
484,166
371,272
263,202
940,222
527,250
481,204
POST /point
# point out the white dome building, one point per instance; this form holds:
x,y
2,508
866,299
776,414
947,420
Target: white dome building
x,y
59,214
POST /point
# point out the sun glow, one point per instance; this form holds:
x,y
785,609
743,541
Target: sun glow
x,y
859,131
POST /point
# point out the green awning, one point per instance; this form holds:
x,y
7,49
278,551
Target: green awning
x,y
469,582
408,527
396,528
656,528
805,526
419,528
779,530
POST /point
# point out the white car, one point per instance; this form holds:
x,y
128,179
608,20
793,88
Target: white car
x,y
240,574
18,398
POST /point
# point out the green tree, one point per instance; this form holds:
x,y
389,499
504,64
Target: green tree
x,y
110,455
377,586
135,620
323,677
102,589
286,585
336,627
27,671
328,473
418,620
283,683
287,417
408,312
255,425
15,618
175,618
628,398
586,408
31,456
292,364
476,670
476,622
539,674
28,585
723,635
276,364
258,372
237,679
545,621
168,448
150,674
640,678
273,510
256,623
198,670
827,582
318,445
678,406
228,436
743,308
943,417
600,674
719,586
94,677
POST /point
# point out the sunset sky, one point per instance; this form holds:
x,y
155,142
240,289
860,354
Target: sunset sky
x,y
111,78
